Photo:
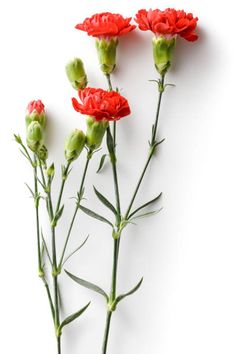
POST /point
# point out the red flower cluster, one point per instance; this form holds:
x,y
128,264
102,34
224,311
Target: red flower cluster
x,y
101,104
35,106
168,22
106,25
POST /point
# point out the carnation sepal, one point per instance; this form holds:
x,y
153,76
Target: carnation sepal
x,y
88,285
106,49
154,200
96,216
101,164
70,319
105,201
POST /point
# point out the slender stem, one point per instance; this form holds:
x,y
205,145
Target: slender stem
x,y
59,345
110,88
62,186
108,77
36,196
89,155
161,90
106,333
152,146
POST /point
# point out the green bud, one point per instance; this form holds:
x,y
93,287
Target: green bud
x,y
51,170
106,49
43,153
162,52
74,145
95,132
34,136
76,74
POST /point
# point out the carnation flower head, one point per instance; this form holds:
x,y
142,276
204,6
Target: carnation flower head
x,y
106,25
101,104
169,23
35,112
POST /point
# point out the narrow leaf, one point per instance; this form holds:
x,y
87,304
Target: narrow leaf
x,y
145,205
95,215
72,317
105,201
102,161
132,291
31,192
58,215
88,285
77,249
150,213
46,248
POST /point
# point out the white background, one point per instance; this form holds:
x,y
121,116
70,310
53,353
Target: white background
x,y
187,303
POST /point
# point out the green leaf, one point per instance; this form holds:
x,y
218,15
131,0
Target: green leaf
x,y
132,291
105,201
31,192
88,285
57,216
95,215
46,248
145,205
150,213
71,318
102,161
77,249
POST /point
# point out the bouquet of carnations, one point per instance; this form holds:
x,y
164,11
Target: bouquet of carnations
x,y
102,108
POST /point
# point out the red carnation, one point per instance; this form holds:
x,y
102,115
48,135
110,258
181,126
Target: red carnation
x,y
102,105
106,25
169,22
35,106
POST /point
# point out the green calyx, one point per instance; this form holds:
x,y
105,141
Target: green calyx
x,y
36,117
106,49
76,74
95,132
34,136
74,145
163,49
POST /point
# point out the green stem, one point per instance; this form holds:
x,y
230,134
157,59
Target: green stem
x,y
59,345
106,333
89,155
152,146
108,77
36,201
64,177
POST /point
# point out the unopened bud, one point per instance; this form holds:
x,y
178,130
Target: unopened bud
x,y
95,132
162,52
74,145
106,49
76,74
34,136
35,113
51,170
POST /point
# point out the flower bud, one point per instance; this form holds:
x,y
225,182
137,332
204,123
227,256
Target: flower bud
x,y
95,132
34,136
106,49
76,74
51,170
74,145
43,153
162,52
35,113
